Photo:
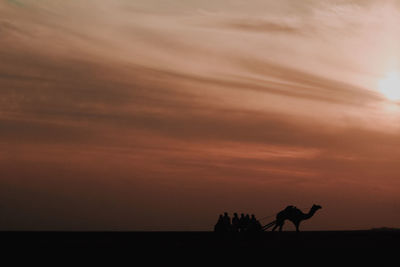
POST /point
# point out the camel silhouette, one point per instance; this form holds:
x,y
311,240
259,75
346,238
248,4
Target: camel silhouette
x,y
292,214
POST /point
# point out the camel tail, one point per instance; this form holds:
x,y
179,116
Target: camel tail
x,y
265,227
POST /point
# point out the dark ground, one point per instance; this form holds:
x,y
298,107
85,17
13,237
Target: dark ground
x,y
205,241
319,248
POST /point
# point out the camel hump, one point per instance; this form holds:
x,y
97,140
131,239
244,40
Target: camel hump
x,y
290,207
290,211
296,209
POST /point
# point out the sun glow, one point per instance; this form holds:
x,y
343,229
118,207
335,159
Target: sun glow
x,y
389,86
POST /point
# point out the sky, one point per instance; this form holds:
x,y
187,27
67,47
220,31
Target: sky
x,y
160,115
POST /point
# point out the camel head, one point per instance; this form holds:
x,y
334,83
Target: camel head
x,y
316,207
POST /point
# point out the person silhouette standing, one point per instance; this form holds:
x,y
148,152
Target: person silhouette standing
x,y
247,221
255,225
219,226
235,223
227,222
242,226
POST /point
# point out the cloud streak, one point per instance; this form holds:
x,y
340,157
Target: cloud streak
x,y
136,107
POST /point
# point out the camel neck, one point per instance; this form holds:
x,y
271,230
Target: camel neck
x,y
309,214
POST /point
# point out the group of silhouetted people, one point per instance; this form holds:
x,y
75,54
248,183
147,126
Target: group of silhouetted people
x,y
244,224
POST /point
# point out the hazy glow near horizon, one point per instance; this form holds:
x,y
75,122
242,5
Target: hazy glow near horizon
x,y
389,86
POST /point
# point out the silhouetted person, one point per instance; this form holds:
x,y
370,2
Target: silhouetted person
x,y
254,224
242,223
227,222
247,221
219,226
235,223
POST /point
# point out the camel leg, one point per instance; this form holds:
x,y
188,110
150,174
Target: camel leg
x,y
280,226
297,227
275,226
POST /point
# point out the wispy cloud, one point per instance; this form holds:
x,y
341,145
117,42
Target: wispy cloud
x,y
142,107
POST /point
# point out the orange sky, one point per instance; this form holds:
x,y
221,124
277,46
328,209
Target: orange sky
x,y
162,114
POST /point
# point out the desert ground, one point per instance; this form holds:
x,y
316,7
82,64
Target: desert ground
x,y
206,241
